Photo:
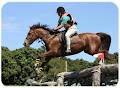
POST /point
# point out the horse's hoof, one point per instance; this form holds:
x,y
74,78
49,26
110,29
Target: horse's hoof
x,y
38,70
37,63
41,68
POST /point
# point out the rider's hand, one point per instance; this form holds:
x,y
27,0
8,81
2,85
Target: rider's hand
x,y
55,29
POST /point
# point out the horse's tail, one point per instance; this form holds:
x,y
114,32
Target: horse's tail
x,y
105,41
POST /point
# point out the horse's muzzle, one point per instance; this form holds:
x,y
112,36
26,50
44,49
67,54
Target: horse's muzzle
x,y
26,44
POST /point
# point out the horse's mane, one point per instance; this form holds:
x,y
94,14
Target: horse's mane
x,y
45,27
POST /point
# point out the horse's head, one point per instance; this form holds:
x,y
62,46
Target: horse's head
x,y
31,37
36,31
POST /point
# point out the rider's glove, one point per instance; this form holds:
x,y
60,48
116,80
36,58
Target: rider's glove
x,y
55,29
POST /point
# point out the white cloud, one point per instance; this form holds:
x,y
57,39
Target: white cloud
x,y
10,25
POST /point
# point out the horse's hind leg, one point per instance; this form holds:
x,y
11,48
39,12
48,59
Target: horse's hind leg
x,y
105,53
101,55
96,52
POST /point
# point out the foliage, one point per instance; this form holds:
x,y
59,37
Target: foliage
x,y
18,65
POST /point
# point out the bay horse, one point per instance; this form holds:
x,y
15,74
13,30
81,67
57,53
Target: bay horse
x,y
90,43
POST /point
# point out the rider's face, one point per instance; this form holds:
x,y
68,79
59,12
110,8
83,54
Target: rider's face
x,y
59,14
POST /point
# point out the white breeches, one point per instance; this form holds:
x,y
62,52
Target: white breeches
x,y
71,31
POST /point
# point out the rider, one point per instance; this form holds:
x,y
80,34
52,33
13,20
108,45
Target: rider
x,y
66,21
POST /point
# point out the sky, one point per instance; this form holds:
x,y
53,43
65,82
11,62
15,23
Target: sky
x,y
91,17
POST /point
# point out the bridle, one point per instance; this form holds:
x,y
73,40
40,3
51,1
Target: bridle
x,y
40,40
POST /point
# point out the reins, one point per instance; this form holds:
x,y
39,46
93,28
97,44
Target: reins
x,y
41,41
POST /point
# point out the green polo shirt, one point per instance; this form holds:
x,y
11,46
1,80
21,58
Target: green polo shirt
x,y
64,20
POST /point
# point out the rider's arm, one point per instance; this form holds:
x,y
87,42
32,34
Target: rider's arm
x,y
59,27
59,21
64,21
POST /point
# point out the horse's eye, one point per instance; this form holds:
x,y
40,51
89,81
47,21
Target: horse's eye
x,y
28,33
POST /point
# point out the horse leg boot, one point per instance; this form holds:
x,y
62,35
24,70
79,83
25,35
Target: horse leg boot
x,y
101,57
105,53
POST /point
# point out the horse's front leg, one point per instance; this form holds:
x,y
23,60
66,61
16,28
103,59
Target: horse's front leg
x,y
44,58
47,57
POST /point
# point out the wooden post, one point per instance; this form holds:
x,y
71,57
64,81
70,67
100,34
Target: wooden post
x,y
65,66
96,76
60,81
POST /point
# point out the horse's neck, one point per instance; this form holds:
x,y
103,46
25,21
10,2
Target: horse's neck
x,y
45,36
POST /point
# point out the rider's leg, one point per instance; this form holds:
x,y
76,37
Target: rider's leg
x,y
71,31
67,35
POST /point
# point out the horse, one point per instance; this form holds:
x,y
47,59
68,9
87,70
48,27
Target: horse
x,y
90,43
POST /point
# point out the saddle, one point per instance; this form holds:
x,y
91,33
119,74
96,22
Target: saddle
x,y
62,37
